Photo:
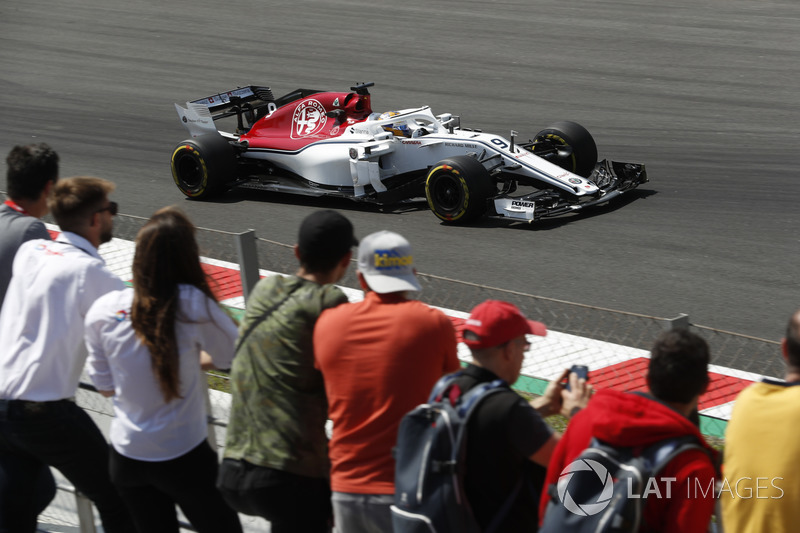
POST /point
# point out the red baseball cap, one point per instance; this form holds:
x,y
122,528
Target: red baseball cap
x,y
495,322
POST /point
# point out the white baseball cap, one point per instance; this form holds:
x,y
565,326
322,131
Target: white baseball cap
x,y
385,261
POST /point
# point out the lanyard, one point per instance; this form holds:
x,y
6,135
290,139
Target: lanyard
x,y
13,205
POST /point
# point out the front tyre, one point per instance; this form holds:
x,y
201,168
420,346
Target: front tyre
x,y
583,158
457,189
203,167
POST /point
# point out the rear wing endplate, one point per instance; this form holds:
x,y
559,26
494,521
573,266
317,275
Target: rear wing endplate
x,y
196,118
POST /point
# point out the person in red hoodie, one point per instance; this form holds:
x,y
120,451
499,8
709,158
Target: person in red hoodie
x,y
676,377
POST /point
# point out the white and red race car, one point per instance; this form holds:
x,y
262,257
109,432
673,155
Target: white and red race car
x,y
332,144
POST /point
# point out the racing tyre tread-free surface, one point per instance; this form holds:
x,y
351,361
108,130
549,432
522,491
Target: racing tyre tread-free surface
x,y
457,189
202,167
584,150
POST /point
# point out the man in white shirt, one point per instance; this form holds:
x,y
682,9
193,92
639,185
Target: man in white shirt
x,y
41,330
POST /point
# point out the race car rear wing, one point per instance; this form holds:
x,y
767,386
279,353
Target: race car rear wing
x,y
246,103
242,95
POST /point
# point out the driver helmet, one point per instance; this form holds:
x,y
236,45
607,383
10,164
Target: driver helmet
x,y
399,130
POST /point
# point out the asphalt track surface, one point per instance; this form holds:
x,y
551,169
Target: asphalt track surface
x,y
704,92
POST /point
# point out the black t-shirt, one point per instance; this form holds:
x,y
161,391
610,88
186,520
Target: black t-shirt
x,y
503,433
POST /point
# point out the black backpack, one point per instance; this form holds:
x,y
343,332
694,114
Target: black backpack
x,y
593,496
429,471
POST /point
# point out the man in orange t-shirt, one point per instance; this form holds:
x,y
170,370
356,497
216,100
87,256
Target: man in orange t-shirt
x,y
379,358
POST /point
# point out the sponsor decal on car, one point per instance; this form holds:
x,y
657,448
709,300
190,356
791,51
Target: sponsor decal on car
x,y
521,209
575,180
308,119
460,145
224,98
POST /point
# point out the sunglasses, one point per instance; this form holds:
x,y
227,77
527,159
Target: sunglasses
x,y
111,208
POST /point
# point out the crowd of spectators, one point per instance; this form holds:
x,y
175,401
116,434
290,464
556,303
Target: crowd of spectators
x,y
303,355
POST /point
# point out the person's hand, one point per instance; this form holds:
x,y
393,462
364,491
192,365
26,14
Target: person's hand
x,y
577,397
550,403
206,363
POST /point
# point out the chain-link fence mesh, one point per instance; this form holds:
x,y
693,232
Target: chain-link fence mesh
x,y
732,350
742,352
61,515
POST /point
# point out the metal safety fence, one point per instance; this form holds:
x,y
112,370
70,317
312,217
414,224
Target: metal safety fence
x,y
251,253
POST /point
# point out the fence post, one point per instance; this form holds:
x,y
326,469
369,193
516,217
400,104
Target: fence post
x,y
85,513
679,322
248,261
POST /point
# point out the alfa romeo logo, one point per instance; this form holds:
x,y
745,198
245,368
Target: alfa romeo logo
x,y
308,119
590,472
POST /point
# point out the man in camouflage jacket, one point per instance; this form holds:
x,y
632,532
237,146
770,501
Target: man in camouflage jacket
x,y
276,453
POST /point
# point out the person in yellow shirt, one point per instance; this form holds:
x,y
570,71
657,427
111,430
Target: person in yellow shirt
x,y
761,485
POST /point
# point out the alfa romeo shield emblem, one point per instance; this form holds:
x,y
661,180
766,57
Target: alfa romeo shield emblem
x,y
308,119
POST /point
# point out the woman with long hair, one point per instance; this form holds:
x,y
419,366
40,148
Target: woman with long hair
x,y
147,345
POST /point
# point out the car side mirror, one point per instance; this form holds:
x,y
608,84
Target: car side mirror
x,y
338,114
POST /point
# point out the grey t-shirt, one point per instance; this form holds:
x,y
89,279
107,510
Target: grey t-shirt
x,y
15,228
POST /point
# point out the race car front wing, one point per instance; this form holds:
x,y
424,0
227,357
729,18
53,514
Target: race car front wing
x,y
611,177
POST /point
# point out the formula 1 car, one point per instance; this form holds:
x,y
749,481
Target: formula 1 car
x,y
332,144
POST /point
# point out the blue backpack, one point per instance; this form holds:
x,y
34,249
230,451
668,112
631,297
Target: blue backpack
x,y
429,469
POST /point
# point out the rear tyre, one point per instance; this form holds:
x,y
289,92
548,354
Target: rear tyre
x,y
457,189
204,166
584,150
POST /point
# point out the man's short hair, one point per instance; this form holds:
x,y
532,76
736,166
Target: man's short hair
x,y
793,339
75,200
678,369
324,239
30,167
